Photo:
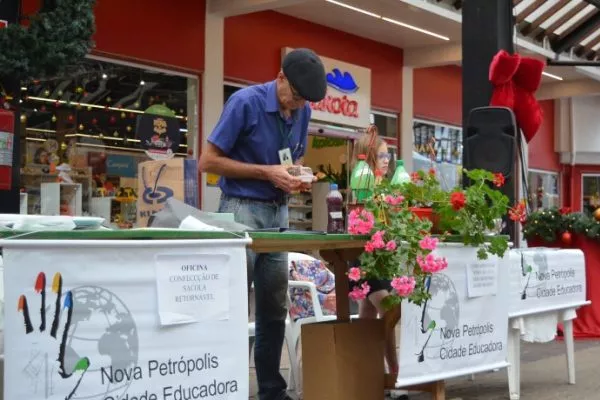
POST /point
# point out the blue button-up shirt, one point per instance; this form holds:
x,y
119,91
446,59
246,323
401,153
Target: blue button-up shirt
x,y
252,130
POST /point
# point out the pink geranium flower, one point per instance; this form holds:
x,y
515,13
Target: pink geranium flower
x,y
360,222
394,200
431,263
376,242
428,243
404,285
354,274
360,293
391,245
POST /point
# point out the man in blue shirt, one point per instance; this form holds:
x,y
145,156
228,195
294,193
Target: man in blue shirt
x,y
262,131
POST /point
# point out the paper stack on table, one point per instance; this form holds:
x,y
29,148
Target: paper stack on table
x,y
192,224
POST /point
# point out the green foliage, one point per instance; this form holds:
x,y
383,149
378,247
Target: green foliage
x,y
474,222
483,209
402,226
54,39
548,224
425,191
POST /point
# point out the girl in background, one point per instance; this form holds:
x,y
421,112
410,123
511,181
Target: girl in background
x,y
378,159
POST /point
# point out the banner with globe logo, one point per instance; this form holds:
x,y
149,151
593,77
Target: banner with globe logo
x,y
462,329
82,320
544,279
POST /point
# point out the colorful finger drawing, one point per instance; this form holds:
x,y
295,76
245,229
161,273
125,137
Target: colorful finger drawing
x,y
83,364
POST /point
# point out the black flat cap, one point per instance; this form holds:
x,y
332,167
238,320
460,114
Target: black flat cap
x,y
306,73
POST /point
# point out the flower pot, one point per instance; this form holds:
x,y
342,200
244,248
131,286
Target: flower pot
x,y
427,214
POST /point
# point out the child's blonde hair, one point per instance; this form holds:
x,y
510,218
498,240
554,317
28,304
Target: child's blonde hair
x,y
368,144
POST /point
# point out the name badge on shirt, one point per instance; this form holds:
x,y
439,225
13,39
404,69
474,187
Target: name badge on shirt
x,y
285,157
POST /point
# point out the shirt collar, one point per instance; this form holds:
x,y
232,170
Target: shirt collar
x,y
272,104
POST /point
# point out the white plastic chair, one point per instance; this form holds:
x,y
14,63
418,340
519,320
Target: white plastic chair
x,y
293,329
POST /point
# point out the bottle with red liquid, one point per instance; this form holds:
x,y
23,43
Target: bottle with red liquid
x,y
335,204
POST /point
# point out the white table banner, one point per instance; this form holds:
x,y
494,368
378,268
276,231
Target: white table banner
x,y
463,328
88,320
544,279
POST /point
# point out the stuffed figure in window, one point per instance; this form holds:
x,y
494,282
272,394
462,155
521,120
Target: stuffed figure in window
x,y
516,79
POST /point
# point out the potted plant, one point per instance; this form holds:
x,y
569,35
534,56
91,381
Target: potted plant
x,y
475,213
423,194
401,245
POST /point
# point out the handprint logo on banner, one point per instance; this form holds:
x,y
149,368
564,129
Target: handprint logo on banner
x,y
76,372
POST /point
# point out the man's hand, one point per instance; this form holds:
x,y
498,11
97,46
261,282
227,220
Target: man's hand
x,y
279,176
307,186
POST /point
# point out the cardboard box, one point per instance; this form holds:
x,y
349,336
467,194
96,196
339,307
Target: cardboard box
x,y
343,360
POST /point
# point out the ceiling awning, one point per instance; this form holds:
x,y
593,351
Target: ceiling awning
x,y
566,25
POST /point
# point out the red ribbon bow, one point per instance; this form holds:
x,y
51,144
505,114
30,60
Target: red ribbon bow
x,y
516,79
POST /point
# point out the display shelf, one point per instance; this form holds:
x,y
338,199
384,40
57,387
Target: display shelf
x,y
300,211
23,203
61,199
33,176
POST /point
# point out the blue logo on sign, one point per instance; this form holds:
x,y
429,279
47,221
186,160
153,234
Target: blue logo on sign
x,y
344,82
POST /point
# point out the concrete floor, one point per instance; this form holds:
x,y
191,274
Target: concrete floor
x,y
543,376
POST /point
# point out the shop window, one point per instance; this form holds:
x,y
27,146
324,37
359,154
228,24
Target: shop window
x,y
590,188
543,189
447,145
229,89
387,124
81,130
446,142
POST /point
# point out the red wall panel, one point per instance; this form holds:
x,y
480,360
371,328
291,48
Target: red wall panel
x,y
253,44
438,94
150,31
541,147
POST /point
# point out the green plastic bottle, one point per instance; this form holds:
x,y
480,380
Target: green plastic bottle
x,y
362,180
400,175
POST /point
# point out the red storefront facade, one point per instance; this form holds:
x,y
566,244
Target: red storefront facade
x,y
145,32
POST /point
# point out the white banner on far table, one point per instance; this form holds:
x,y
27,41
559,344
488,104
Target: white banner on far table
x,y
456,332
114,347
544,279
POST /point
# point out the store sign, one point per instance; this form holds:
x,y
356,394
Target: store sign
x,y
120,165
463,328
158,132
543,280
348,98
87,324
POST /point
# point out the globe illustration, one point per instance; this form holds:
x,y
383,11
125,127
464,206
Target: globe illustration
x,y
539,265
444,309
540,261
103,330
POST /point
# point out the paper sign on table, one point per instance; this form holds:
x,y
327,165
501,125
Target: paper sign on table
x,y
482,279
192,288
